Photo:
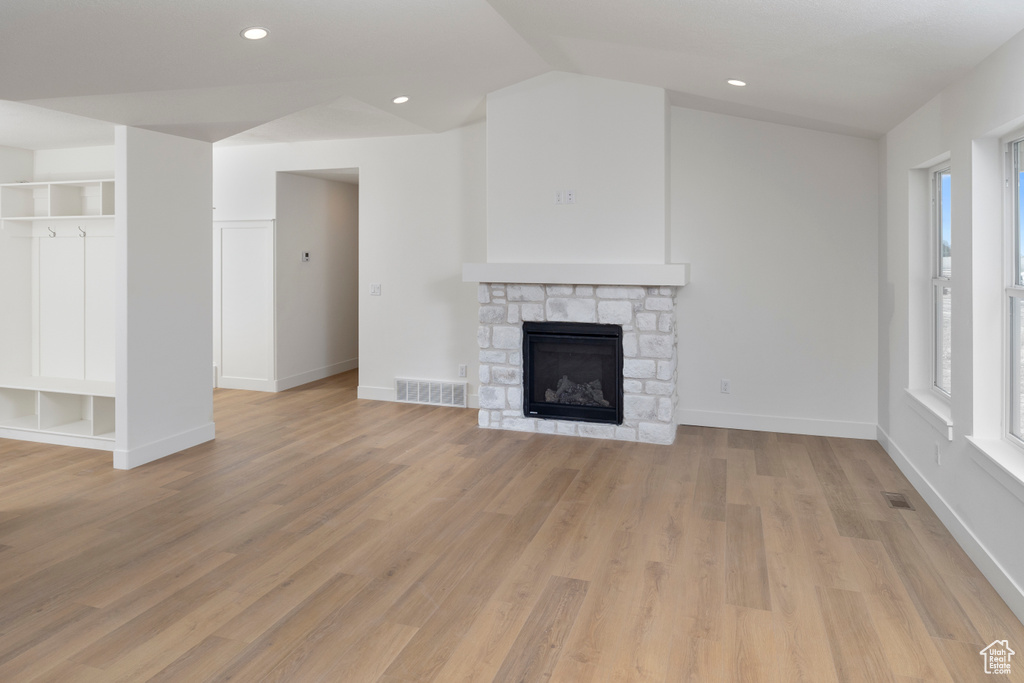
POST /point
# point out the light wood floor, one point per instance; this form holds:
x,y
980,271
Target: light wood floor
x,y
321,538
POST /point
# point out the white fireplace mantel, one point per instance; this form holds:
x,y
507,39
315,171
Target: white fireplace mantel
x,y
643,274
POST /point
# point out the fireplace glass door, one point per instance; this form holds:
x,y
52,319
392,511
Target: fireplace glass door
x,y
573,371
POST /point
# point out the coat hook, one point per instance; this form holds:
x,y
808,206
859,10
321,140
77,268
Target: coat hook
x,y
81,232
53,233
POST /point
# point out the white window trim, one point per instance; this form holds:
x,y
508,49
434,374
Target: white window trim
x,y
1002,460
937,280
933,410
1012,292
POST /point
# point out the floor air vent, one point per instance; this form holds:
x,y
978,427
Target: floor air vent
x,y
431,392
897,500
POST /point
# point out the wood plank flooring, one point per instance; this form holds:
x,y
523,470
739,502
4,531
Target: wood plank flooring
x,y
323,538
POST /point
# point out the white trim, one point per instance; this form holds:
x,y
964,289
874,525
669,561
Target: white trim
x,y
376,393
1000,579
98,443
644,274
1011,370
140,455
772,423
933,410
1002,460
314,375
59,385
245,383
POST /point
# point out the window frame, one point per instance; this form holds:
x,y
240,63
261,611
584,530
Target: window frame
x,y
1013,293
938,281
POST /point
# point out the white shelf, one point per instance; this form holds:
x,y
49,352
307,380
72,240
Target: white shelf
x,y
49,219
29,422
101,443
47,183
59,385
75,418
77,428
74,199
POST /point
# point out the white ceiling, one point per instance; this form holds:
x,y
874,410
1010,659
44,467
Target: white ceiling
x,y
329,69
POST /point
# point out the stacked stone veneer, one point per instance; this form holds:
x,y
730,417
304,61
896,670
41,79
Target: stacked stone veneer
x,y
647,317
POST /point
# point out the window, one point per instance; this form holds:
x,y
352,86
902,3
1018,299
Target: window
x,y
1015,292
941,244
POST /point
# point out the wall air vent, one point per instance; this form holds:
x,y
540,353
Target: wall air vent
x,y
431,392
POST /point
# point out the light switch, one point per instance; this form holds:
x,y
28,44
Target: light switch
x,y
374,290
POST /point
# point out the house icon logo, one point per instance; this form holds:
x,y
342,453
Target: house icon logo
x,y
997,657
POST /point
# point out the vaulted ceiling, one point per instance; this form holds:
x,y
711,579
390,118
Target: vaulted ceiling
x,y
330,68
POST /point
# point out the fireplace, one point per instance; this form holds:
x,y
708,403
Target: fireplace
x,y
645,320
573,371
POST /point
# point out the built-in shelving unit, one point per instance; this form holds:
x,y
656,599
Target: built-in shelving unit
x,y
62,199
57,301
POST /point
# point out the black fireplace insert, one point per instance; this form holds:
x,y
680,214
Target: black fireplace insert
x,y
572,371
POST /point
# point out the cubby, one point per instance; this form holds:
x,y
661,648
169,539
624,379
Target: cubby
x,y
61,200
25,200
18,409
57,257
82,199
86,420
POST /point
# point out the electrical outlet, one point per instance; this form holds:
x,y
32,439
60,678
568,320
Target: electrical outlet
x,y
570,196
305,256
462,370
558,197
374,290
725,386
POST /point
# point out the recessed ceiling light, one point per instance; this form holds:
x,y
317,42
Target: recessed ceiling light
x,y
255,33
737,82
400,100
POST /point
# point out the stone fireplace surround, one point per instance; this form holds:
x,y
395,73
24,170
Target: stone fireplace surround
x,y
647,317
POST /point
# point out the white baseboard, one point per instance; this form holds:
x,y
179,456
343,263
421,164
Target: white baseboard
x,y
42,436
375,393
133,457
388,394
1009,591
245,383
783,425
314,375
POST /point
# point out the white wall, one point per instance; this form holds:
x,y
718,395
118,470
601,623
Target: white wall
x,y
164,308
15,276
603,139
797,361
15,305
421,216
78,163
16,165
970,488
780,225
317,301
